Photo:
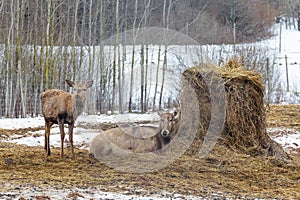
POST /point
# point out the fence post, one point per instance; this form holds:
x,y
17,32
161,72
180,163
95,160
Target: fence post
x,y
287,74
268,79
280,32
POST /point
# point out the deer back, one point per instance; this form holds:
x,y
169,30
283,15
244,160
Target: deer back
x,y
56,103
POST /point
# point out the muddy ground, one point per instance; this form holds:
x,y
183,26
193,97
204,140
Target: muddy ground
x,y
223,171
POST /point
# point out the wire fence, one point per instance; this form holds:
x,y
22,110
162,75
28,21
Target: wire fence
x,y
113,89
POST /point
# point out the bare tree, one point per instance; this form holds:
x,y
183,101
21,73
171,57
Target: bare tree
x,y
166,16
48,41
47,70
74,39
133,56
142,66
103,81
115,57
9,62
124,51
146,20
156,77
292,9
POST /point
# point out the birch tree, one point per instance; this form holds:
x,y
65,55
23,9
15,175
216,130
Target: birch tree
x,y
156,77
147,16
166,16
115,57
17,62
91,57
133,56
47,70
9,62
91,51
124,25
2,71
74,39
102,73
144,60
142,63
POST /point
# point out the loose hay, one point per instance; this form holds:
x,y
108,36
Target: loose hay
x,y
224,171
284,116
245,120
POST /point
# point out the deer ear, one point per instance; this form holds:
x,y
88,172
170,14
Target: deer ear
x,y
176,113
160,113
89,84
70,83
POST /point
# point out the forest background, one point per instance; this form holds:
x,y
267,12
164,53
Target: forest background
x,y
44,42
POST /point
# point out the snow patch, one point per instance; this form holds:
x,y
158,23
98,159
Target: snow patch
x,y
289,139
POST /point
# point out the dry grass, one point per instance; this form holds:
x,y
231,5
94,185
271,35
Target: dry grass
x,y
223,170
22,132
284,116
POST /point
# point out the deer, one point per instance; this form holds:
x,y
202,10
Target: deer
x,y
60,107
111,141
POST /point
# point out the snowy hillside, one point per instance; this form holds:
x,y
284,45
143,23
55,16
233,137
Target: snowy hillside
x,y
282,79
284,64
287,66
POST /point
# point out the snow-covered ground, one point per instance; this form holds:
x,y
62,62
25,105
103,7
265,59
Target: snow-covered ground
x,y
287,67
288,138
83,135
28,192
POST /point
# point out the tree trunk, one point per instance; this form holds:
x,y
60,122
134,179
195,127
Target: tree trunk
x,y
47,70
156,78
116,46
166,17
298,22
124,25
74,41
147,15
142,65
133,58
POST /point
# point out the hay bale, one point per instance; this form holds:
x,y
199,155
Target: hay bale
x,y
245,118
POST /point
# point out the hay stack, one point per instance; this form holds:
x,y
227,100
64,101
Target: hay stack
x,y
245,119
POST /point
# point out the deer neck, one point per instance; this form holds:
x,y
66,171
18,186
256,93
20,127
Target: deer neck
x,y
78,105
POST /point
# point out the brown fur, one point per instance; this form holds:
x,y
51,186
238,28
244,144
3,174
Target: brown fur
x,y
118,141
60,107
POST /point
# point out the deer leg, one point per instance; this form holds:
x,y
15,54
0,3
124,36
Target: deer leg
x,y
47,137
62,136
71,126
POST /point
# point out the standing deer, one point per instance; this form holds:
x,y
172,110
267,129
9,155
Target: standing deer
x,y
117,141
60,107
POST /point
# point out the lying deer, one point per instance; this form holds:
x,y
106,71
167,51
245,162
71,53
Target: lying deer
x,y
60,107
117,141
